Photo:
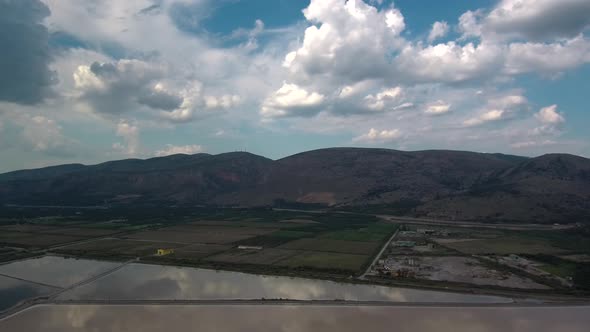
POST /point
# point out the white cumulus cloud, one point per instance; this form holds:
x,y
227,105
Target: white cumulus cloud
x,y
348,41
493,115
549,115
438,30
379,136
290,100
438,108
379,101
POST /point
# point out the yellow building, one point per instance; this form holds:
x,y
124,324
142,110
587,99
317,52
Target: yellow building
x,y
164,252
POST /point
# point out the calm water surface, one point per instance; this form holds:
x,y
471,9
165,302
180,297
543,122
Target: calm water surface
x,y
13,291
65,318
57,271
156,282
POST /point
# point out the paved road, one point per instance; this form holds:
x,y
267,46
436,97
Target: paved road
x,y
362,277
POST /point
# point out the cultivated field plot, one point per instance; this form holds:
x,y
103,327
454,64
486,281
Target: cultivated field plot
x,y
504,246
57,230
372,233
198,251
28,235
27,228
12,237
117,226
328,245
238,223
35,240
577,258
111,246
283,239
200,234
269,256
85,232
298,221
325,260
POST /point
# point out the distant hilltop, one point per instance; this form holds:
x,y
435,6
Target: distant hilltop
x,y
553,188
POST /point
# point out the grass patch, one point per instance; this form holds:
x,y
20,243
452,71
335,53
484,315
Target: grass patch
x,y
573,240
561,270
555,265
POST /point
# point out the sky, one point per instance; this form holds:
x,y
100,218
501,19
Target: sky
x,y
97,80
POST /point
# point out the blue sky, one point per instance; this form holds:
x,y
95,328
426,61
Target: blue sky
x,y
90,81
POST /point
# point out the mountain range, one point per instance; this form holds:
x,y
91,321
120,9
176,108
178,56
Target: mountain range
x,y
454,185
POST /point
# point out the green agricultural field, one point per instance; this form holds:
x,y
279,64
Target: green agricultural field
x,y
375,232
555,265
292,234
561,270
325,260
274,239
198,251
574,240
526,242
264,241
237,223
128,248
329,245
40,240
200,234
267,256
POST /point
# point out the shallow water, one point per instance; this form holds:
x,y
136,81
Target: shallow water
x,y
156,282
56,271
13,291
170,318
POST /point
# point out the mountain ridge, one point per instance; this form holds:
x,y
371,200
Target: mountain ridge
x,y
429,183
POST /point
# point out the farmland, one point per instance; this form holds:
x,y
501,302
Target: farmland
x,y
329,245
326,260
311,244
263,240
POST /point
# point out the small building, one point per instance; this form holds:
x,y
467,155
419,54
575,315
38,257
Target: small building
x,y
164,252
